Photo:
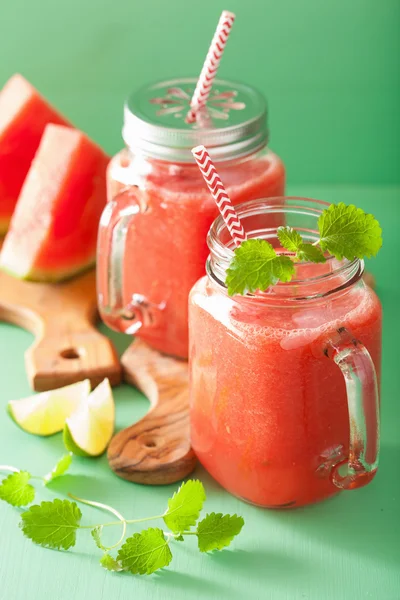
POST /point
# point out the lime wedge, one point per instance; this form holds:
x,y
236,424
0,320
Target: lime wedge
x,y
89,429
46,413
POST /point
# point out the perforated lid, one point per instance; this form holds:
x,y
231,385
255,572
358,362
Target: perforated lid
x,y
232,124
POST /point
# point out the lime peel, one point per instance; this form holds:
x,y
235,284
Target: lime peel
x,y
89,429
45,413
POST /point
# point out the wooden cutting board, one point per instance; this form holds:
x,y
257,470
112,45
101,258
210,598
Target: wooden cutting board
x,y
155,450
62,317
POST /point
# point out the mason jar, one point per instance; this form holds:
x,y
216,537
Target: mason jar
x,y
152,238
284,384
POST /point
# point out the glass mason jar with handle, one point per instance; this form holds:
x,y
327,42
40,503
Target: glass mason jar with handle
x,y
284,383
152,238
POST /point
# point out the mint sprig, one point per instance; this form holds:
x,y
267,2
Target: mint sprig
x,y
60,468
289,238
52,524
345,232
146,552
217,531
56,524
349,232
256,266
16,490
185,506
109,563
292,241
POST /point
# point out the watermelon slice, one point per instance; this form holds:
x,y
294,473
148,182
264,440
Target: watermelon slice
x,y
23,116
53,230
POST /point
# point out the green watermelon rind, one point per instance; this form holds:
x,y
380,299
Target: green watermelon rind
x,y
55,276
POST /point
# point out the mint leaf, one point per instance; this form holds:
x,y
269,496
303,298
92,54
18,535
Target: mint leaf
x,y
216,531
60,468
96,535
310,253
16,490
52,524
145,552
292,241
256,266
347,231
289,238
185,505
109,563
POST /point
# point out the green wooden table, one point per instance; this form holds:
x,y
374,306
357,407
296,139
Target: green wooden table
x,y
345,548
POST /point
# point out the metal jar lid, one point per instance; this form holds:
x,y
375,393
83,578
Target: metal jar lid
x,y
233,124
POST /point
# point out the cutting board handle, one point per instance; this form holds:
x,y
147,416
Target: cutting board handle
x,y
57,360
155,450
62,317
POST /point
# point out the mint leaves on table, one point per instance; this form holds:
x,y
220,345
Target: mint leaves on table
x,y
96,535
345,232
60,468
146,552
52,524
217,531
185,506
16,490
55,524
109,563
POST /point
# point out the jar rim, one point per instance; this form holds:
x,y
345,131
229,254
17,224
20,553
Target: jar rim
x,y
221,254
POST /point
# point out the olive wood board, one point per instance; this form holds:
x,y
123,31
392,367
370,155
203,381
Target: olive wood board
x,y
156,450
62,317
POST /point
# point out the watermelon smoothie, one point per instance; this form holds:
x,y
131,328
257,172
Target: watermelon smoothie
x,y
269,409
166,245
152,238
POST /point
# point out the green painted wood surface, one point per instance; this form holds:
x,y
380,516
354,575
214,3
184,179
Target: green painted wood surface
x,y
347,548
330,69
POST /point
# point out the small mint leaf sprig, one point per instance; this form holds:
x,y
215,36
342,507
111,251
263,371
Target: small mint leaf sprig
x,y
345,232
55,524
17,490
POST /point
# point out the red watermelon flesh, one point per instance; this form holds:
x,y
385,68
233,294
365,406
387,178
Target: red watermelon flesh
x,y
23,116
53,230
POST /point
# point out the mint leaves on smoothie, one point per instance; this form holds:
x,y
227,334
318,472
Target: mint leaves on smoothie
x,y
349,232
345,232
55,524
256,266
291,240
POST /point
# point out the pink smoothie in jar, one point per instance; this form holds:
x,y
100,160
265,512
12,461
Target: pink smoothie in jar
x,y
152,239
284,384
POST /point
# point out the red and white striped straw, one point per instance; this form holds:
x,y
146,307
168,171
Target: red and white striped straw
x,y
211,64
219,194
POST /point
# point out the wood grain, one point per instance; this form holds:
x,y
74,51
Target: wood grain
x,y
155,450
62,317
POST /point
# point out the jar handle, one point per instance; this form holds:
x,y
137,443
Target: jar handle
x,y
114,226
359,374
